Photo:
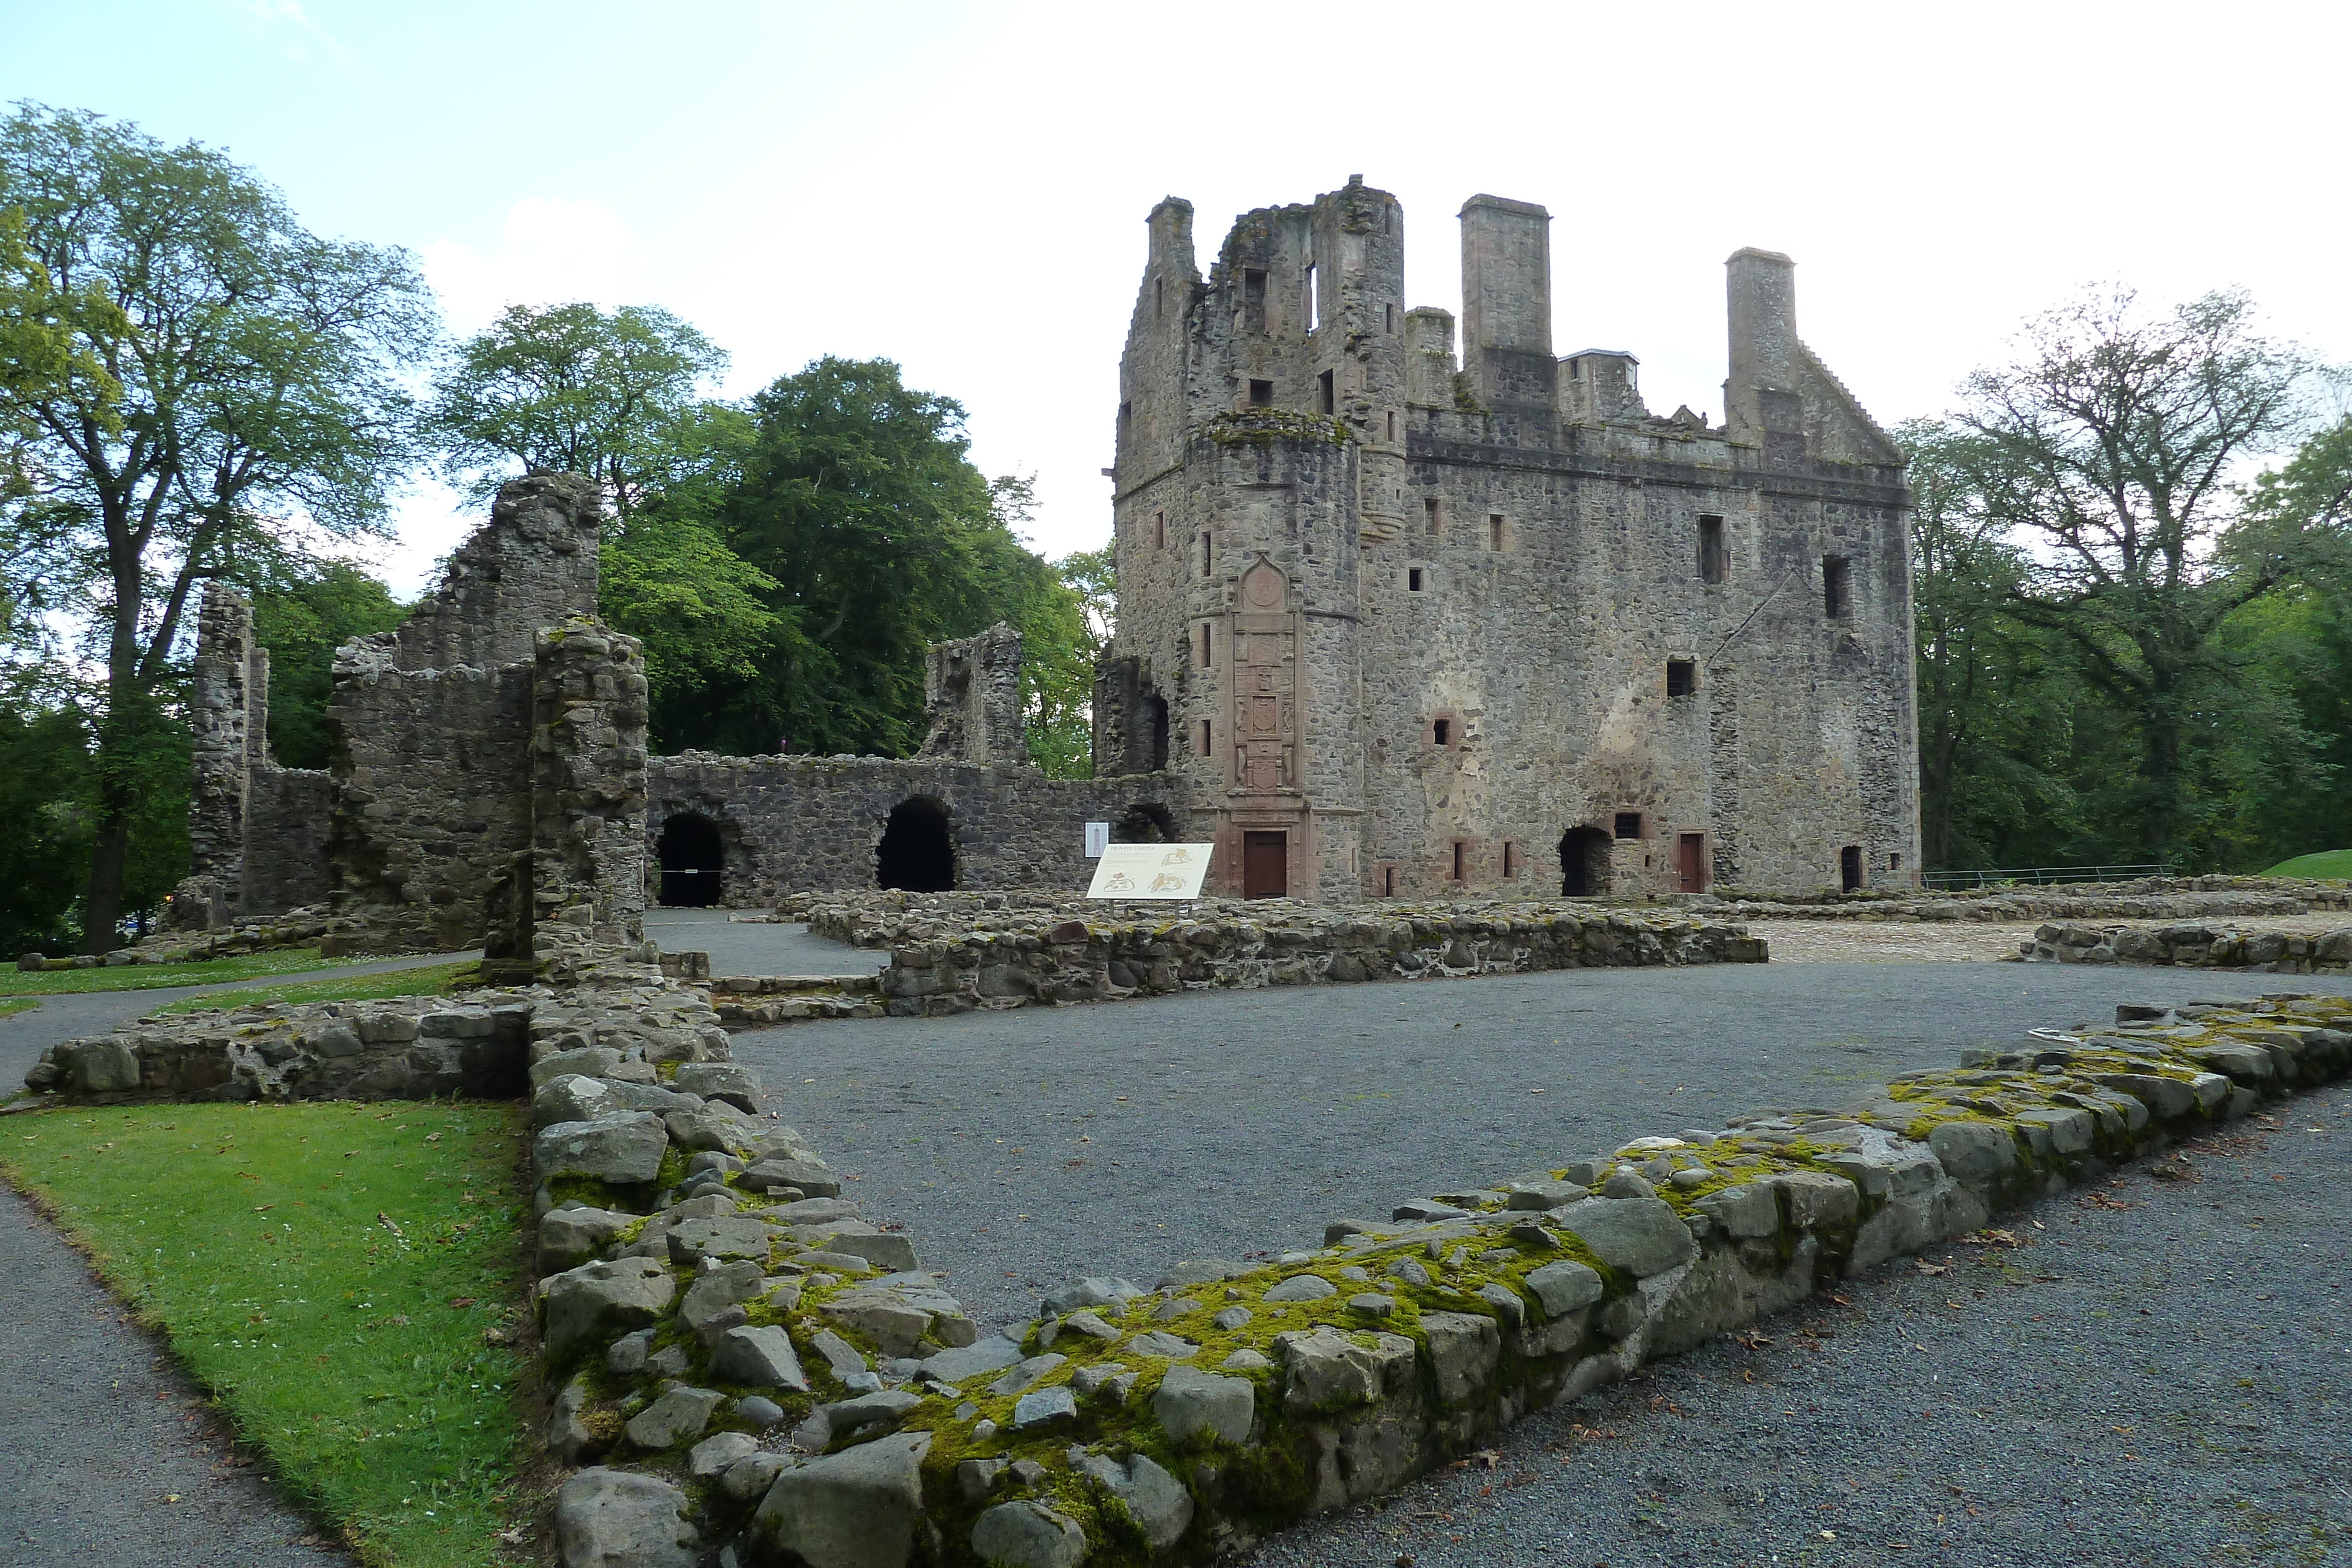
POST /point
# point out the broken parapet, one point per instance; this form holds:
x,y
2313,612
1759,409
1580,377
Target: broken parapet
x,y
2317,949
972,697
762,1369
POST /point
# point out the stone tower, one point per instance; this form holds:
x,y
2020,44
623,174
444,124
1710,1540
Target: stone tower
x,y
1406,627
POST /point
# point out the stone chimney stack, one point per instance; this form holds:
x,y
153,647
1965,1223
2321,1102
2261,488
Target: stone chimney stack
x,y
1506,301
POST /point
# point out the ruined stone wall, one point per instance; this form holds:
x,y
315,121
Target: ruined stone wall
x,y
971,698
1515,552
288,813
445,730
794,823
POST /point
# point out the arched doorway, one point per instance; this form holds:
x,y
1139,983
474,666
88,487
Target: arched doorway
x,y
917,853
1145,822
1583,862
692,861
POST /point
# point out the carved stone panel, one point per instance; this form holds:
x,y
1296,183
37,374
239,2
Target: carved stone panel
x,y
1264,684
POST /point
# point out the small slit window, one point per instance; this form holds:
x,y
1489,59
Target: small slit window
x,y
1432,516
1159,530
1510,859
1629,824
1208,554
1837,588
1261,395
1713,559
1441,732
1682,677
1254,298
1326,399
1461,859
1494,531
1314,305
1415,579
1392,427
1207,649
1208,739
1159,297
1387,881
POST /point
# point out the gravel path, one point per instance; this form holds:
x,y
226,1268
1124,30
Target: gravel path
x,y
1950,941
1025,1147
2162,1374
756,947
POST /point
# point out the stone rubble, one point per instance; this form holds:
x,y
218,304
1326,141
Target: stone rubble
x,y
2316,950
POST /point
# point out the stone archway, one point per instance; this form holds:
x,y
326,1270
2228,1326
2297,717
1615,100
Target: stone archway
x,y
917,853
1145,822
1583,862
692,861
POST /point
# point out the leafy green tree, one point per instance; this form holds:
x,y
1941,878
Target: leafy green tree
x,y
1066,628
2109,453
303,616
261,403
858,501
569,389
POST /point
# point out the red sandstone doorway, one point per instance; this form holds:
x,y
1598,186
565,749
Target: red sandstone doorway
x,y
1691,848
1265,865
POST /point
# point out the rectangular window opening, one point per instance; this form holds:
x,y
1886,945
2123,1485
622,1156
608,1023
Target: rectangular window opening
x,y
1159,297
1433,516
1494,531
1207,649
1159,530
1895,862
1254,298
1682,677
1441,732
1208,740
1510,859
1837,589
1391,316
1208,555
1714,561
1325,399
1459,859
1629,824
1261,395
1387,881
1314,305
1392,427
1413,580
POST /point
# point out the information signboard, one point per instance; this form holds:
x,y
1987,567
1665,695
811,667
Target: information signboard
x,y
1151,870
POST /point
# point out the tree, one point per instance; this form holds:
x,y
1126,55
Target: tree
x,y
301,616
1067,629
568,389
261,407
858,501
2112,450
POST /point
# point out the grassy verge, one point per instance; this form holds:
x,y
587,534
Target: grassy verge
x,y
328,1272
17,1004
2326,862
153,977
428,981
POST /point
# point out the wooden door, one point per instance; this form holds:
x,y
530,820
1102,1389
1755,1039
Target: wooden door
x,y
1265,865
1691,848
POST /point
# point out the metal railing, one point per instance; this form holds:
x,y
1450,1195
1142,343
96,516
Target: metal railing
x,y
2040,874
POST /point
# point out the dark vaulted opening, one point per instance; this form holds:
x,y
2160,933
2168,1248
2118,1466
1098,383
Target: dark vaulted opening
x,y
691,858
917,853
1583,862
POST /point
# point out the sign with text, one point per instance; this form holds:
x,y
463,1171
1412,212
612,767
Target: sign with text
x,y
1097,839
1151,870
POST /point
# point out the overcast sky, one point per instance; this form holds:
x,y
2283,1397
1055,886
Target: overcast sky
x,y
963,188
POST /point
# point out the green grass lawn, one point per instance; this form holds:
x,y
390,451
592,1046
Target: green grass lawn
x,y
427,981
16,1004
149,976
327,1270
2326,862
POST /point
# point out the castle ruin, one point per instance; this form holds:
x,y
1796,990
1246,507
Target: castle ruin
x,y
1406,625
1392,625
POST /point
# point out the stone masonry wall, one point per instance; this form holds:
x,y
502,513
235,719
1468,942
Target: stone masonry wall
x,y
972,695
2317,949
794,823
748,1363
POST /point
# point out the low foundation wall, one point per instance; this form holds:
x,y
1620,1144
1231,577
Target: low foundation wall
x,y
2151,898
2315,950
